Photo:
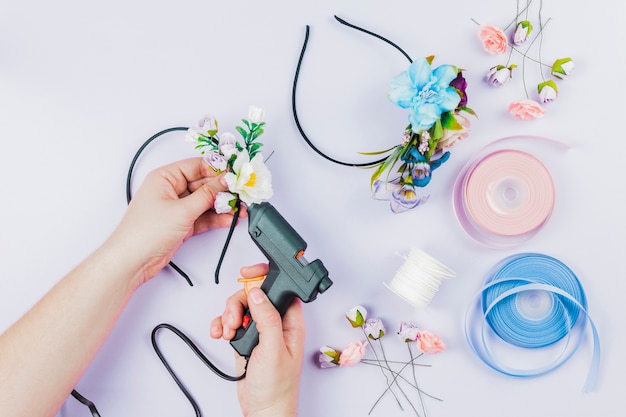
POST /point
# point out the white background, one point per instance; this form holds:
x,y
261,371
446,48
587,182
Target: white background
x,y
83,84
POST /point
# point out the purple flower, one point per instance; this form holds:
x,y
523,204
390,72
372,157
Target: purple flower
x,y
408,332
216,160
374,328
460,83
356,316
405,198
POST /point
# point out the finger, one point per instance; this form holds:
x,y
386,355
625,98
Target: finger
x,y
216,328
180,173
210,220
233,314
254,271
203,198
268,321
294,328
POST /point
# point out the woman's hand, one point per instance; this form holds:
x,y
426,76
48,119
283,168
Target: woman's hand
x,y
272,382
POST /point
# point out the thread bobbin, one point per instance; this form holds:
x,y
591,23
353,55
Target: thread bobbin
x,y
418,280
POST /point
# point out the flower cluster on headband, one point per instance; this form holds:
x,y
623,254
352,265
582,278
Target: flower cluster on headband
x,y
436,99
521,37
374,330
247,176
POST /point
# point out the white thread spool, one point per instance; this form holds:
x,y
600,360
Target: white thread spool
x,y
419,278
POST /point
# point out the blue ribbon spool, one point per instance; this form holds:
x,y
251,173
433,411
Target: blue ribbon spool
x,y
532,302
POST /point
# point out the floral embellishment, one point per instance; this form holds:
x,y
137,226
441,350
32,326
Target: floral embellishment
x,y
526,109
493,39
523,34
435,99
247,176
352,354
392,371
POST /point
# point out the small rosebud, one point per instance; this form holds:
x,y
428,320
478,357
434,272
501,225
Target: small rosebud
x,y
408,332
429,342
352,354
522,32
562,68
208,125
255,114
547,91
357,316
374,328
328,357
500,75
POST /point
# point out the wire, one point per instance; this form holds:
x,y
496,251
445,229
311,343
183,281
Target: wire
x,y
129,177
85,401
295,84
199,354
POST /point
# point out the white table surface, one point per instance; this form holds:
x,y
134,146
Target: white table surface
x,y
83,84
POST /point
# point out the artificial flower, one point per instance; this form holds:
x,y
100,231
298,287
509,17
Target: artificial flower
x,y
548,91
405,198
499,75
452,136
356,316
352,354
408,332
522,32
562,68
425,92
224,202
208,125
460,83
250,179
247,177
256,114
217,161
493,39
328,357
429,342
526,109
374,328
227,145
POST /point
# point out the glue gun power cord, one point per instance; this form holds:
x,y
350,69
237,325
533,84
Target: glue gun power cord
x,y
198,353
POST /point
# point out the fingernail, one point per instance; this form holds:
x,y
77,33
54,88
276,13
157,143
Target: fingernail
x,y
257,296
223,181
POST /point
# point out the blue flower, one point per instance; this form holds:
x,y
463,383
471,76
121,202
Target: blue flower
x,y
426,92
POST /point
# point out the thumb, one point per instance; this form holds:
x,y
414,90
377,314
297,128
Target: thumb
x,y
267,319
203,198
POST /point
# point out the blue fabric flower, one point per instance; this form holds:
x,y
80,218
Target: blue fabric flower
x,y
426,92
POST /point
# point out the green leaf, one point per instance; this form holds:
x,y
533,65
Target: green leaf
x,y
245,122
242,131
387,163
378,152
256,133
448,121
468,110
437,130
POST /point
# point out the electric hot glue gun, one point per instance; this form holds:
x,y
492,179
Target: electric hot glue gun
x,y
289,276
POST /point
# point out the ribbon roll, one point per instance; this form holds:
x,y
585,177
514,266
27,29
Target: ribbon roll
x,y
419,278
504,195
531,308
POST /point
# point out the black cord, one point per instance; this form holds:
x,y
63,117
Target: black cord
x,y
198,353
85,401
295,84
129,177
230,235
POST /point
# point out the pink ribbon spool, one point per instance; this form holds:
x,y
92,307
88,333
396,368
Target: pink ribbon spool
x,y
504,196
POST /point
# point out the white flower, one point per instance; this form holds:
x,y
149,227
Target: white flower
x,y
222,202
251,179
357,316
562,68
408,332
548,91
374,328
451,136
208,125
499,75
522,32
255,114
227,145
192,135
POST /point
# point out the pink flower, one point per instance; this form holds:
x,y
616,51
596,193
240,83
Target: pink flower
x,y
493,39
352,354
429,342
526,109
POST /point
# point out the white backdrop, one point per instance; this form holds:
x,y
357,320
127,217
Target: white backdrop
x,y
83,84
